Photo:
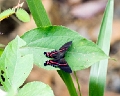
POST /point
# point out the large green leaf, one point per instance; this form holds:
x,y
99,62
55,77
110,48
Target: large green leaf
x,y
82,54
14,68
35,89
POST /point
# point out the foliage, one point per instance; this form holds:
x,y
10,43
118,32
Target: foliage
x,y
16,61
6,13
20,13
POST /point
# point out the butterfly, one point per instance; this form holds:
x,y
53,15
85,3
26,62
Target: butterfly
x,y
58,58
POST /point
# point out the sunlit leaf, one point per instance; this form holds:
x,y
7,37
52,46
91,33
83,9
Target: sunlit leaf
x,y
14,68
82,54
35,89
6,13
22,15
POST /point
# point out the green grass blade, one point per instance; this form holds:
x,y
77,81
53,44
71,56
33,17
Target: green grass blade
x,y
38,12
99,70
41,19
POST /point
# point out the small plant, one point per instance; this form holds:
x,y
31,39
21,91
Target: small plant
x,y
36,45
19,12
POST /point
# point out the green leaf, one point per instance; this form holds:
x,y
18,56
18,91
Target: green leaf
x,y
82,54
6,13
99,70
35,89
14,68
22,15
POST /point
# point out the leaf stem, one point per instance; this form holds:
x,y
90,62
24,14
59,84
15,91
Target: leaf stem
x,y
68,81
78,83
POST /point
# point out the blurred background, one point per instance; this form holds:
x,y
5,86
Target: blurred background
x,y
83,16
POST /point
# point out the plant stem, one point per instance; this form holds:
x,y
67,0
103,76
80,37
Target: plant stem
x,y
68,81
78,83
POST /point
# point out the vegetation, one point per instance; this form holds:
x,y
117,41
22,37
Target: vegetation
x,y
18,57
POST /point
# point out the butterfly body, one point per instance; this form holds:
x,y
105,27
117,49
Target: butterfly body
x,y
58,58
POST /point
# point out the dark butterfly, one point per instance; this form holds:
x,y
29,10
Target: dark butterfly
x,y
60,63
60,53
58,58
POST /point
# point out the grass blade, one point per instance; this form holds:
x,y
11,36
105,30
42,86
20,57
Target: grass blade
x,y
99,70
38,12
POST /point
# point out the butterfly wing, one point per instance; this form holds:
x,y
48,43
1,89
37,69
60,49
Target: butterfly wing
x,y
63,65
52,54
65,47
53,63
60,53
